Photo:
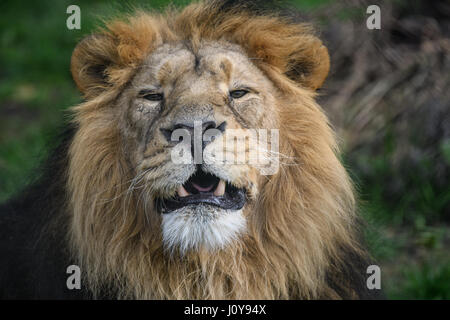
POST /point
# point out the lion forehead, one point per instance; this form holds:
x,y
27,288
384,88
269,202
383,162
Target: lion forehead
x,y
217,60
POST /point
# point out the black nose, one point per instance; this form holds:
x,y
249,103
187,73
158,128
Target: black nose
x,y
190,127
198,140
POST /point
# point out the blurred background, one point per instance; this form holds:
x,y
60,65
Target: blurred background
x,y
387,96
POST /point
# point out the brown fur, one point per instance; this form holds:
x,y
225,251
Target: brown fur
x,y
296,232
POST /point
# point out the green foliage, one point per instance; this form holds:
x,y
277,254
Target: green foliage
x,y
406,228
445,150
429,281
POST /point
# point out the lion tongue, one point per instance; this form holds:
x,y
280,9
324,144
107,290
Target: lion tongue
x,y
202,189
218,191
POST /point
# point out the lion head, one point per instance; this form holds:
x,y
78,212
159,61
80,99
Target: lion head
x,y
152,227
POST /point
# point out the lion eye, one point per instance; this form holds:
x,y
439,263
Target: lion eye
x,y
153,96
236,94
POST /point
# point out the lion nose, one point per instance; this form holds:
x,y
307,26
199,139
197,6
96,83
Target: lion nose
x,y
196,134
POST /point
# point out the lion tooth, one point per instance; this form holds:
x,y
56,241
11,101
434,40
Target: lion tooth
x,y
220,190
182,192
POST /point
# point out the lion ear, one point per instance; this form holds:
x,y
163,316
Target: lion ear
x,y
90,60
292,49
310,65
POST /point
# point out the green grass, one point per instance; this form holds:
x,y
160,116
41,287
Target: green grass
x,y
405,234
429,281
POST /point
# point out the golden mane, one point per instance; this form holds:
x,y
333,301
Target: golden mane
x,y
299,236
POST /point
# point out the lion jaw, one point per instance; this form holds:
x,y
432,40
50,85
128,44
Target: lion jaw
x,y
201,226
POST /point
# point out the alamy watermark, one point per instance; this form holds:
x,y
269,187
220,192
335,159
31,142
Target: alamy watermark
x,y
374,20
74,20
258,148
374,280
74,280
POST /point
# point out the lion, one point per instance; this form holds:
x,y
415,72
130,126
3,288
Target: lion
x,y
113,203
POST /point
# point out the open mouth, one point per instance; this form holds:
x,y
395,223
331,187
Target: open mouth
x,y
204,188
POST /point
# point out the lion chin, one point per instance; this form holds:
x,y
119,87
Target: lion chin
x,y
206,212
201,225
200,167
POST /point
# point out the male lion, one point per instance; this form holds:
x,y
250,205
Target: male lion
x,y
114,202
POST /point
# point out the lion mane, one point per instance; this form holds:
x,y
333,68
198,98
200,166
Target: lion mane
x,y
302,240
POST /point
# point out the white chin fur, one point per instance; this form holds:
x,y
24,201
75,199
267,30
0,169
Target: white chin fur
x,y
193,227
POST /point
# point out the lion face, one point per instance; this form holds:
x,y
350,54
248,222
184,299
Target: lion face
x,y
177,108
209,98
